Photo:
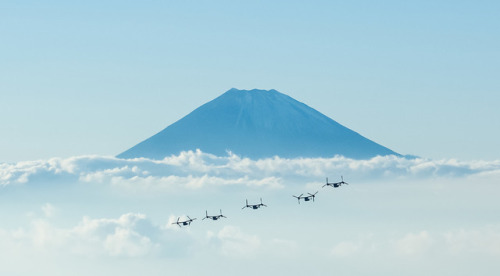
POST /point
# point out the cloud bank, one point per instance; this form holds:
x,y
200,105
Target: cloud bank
x,y
432,212
129,235
133,235
195,169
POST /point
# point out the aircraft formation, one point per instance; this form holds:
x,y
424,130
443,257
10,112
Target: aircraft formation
x,y
309,197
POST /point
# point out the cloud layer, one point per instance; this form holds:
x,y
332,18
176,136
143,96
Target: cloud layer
x,y
195,169
133,235
129,235
417,212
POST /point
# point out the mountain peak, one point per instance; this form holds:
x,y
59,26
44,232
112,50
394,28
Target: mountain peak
x,y
252,90
257,124
251,93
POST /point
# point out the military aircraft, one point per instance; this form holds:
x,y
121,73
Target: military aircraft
x,y
306,198
184,223
254,206
216,217
336,184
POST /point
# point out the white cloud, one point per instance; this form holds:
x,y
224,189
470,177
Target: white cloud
x,y
414,243
236,243
126,242
195,169
484,240
48,210
130,235
172,182
363,245
434,196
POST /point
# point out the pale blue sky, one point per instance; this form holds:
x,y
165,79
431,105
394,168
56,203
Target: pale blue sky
x,y
97,77
87,77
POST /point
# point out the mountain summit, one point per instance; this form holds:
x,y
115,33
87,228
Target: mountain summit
x,y
257,124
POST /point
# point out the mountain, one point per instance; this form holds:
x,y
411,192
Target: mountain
x,y
257,124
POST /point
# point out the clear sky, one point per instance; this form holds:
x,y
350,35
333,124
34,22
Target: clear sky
x,y
97,77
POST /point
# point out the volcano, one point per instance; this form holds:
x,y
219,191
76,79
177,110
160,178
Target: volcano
x,y
257,124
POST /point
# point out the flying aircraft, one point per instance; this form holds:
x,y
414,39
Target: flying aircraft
x,y
184,223
254,206
216,217
336,184
306,198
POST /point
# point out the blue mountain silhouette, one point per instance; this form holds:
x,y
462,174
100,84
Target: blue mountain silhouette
x,y
257,124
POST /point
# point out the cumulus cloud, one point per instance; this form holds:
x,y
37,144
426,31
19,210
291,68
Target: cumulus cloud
x,y
118,237
130,235
133,235
195,169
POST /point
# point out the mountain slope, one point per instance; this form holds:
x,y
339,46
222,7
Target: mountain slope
x,y
257,124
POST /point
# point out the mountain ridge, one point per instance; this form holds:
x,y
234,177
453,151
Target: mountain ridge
x,y
257,124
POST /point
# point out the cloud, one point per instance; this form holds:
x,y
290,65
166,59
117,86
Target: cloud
x,y
49,210
130,235
485,240
172,182
414,243
125,242
481,241
365,244
195,170
346,248
118,237
236,243
133,235
432,196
